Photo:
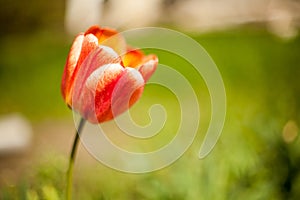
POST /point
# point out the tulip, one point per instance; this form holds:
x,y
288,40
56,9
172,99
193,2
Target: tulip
x,y
103,76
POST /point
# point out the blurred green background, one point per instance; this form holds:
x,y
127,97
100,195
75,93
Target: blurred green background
x,y
257,156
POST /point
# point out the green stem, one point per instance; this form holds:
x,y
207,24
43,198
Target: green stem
x,y
72,159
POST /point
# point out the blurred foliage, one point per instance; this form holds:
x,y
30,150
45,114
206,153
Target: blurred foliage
x,y
30,73
28,16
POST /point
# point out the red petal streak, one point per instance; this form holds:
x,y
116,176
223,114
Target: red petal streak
x,y
95,99
105,87
71,64
89,43
83,100
127,91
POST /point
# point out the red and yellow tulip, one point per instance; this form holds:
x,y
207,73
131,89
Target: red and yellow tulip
x,y
101,67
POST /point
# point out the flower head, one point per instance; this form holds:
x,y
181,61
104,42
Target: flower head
x,y
103,77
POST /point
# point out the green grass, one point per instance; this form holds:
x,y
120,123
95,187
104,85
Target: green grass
x,y
251,160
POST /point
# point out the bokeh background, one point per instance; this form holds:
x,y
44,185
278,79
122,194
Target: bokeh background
x,y
256,46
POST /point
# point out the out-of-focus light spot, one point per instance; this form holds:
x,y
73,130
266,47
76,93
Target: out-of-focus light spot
x,y
15,134
81,14
281,22
290,131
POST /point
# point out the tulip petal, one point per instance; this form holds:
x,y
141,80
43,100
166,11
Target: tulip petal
x,y
145,64
148,67
109,37
95,98
132,58
109,91
81,48
127,91
101,56
90,42
71,64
